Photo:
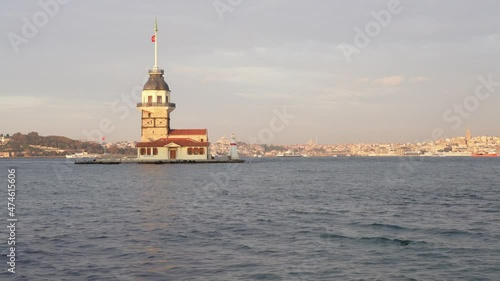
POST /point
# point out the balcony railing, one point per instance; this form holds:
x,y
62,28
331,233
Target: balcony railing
x,y
157,104
156,71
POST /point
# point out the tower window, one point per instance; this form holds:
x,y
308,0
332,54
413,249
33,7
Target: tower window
x,y
159,99
149,114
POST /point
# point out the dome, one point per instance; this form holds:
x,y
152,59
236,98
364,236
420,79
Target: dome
x,y
156,81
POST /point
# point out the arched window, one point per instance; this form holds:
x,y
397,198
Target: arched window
x,y
202,151
143,151
190,151
155,151
148,151
195,151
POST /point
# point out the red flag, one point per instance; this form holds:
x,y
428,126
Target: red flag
x,y
153,38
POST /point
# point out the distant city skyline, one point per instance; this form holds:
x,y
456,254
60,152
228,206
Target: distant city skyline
x,y
346,72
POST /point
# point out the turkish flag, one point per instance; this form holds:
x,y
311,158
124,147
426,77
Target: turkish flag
x,y
153,38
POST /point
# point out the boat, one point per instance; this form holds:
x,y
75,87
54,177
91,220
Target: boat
x,y
455,154
289,153
484,154
81,155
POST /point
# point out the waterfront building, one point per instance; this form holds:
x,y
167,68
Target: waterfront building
x,y
158,140
7,154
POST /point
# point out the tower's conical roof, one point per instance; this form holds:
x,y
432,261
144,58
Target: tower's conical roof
x,y
156,81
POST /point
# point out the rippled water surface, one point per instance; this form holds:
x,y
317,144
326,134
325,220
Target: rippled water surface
x,y
270,219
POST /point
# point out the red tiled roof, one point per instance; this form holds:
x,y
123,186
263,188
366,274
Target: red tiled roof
x,y
187,132
166,141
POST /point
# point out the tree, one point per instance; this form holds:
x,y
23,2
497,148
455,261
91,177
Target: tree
x,y
33,135
113,149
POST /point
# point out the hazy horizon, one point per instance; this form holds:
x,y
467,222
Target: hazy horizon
x,y
234,69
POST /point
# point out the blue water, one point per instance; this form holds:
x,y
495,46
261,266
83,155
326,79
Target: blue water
x,y
270,219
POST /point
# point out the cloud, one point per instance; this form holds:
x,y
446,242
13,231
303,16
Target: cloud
x,y
16,103
264,96
390,80
13,103
420,79
233,74
234,54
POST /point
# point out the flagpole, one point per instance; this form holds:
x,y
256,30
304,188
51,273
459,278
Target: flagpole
x,y
156,45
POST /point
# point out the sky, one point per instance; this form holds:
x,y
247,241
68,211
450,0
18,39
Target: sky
x,y
277,72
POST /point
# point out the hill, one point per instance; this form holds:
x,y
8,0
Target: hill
x,y
33,144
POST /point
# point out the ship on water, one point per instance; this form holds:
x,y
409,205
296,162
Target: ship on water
x,y
81,155
485,154
289,153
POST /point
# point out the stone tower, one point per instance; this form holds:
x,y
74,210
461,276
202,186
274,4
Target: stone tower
x,y
155,106
467,137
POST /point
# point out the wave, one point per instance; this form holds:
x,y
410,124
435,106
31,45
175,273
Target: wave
x,y
452,232
375,240
265,276
382,226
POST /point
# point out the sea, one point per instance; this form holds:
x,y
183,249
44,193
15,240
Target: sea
x,y
352,218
